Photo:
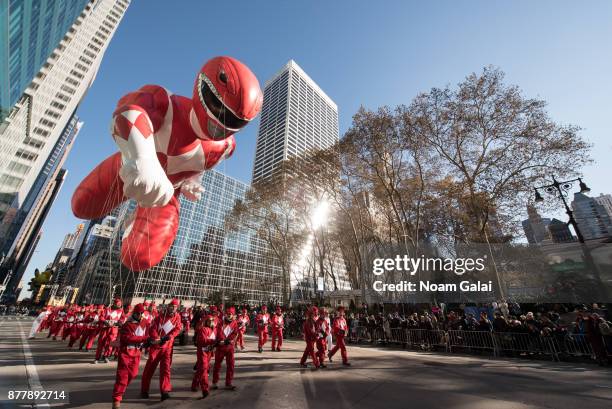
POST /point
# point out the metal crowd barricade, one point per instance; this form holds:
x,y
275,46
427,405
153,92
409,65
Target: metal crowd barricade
x,y
497,343
423,339
471,340
359,334
577,345
399,336
525,344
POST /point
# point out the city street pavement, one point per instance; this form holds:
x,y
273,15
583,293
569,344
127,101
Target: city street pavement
x,y
378,378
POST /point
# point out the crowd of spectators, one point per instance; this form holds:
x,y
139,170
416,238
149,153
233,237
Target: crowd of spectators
x,y
558,320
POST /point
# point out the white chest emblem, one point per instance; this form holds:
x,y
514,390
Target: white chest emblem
x,y
167,327
140,331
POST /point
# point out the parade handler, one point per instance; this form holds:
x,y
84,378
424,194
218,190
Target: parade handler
x,y
109,329
92,327
78,326
37,324
186,321
278,323
263,318
339,330
227,331
206,339
166,327
132,335
243,323
323,332
310,337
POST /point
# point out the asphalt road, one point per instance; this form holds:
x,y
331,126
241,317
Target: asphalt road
x,y
378,378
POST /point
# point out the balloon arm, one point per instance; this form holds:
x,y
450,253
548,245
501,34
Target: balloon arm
x,y
192,189
144,179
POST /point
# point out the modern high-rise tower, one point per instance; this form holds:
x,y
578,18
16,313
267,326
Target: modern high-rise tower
x,y
33,30
29,135
296,117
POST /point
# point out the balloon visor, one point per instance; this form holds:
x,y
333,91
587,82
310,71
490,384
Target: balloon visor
x,y
210,99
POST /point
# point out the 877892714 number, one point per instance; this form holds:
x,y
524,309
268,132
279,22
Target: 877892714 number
x,y
28,395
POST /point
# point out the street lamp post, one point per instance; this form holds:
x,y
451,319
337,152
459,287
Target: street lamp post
x,y
560,190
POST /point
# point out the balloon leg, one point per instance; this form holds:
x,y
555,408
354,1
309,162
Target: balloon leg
x,y
147,240
101,191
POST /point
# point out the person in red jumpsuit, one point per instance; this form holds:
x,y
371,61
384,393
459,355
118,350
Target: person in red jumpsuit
x,y
340,330
132,334
166,327
93,326
50,322
85,332
310,337
206,339
243,323
78,326
57,323
323,331
69,321
47,321
263,318
166,141
226,333
186,321
278,323
110,321
147,318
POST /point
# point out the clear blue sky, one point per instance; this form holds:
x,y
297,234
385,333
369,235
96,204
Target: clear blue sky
x,y
360,53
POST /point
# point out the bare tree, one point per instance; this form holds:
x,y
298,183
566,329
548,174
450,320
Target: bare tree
x,y
493,145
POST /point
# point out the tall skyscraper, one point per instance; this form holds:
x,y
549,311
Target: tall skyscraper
x,y
296,116
592,218
33,30
37,122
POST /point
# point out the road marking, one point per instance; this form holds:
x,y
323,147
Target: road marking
x,y
33,380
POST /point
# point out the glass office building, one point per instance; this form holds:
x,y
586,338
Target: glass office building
x,y
206,262
31,31
29,135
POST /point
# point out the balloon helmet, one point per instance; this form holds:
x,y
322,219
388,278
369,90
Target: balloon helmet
x,y
226,97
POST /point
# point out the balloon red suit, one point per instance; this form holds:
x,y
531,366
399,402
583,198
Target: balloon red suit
x,y
166,142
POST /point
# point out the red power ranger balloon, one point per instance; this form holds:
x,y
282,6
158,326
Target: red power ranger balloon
x,y
166,141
